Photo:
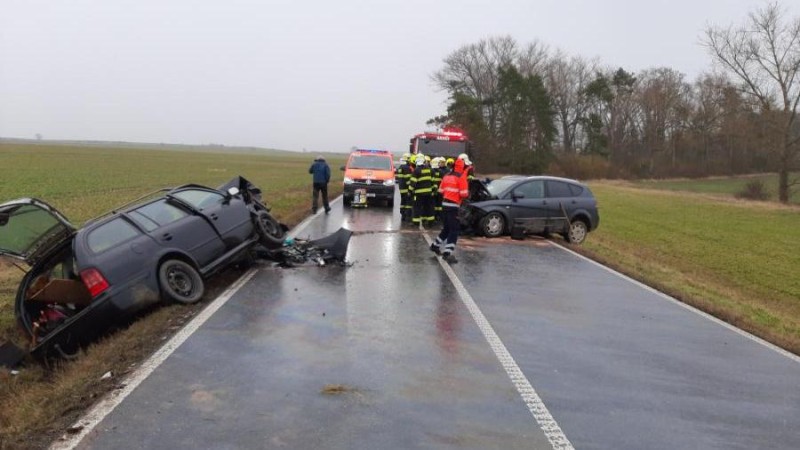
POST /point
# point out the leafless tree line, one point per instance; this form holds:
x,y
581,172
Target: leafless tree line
x,y
740,117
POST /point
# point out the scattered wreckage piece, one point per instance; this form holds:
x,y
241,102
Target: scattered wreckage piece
x,y
322,251
161,246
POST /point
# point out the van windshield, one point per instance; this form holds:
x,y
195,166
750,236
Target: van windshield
x,y
370,162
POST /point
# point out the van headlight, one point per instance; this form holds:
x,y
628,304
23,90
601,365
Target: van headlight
x,y
348,180
389,182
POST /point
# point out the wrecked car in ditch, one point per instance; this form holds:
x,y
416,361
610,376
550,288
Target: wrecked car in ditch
x,y
519,205
158,247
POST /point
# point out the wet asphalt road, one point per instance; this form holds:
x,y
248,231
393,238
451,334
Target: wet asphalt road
x,y
385,354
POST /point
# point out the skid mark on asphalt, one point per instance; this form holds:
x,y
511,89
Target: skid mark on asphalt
x,y
535,405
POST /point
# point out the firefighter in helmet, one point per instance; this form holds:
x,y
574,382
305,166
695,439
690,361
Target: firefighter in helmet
x,y
403,176
422,186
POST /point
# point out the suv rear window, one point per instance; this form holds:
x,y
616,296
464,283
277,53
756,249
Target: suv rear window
x,y
110,234
558,189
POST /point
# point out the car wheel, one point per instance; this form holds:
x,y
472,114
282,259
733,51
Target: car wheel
x,y
390,203
577,232
270,233
346,201
180,282
493,224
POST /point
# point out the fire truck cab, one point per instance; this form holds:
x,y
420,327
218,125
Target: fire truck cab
x,y
448,143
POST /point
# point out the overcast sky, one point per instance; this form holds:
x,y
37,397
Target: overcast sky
x,y
294,75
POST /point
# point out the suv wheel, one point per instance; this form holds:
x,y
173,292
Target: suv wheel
x,y
577,232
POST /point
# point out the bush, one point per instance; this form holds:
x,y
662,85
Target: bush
x,y
753,190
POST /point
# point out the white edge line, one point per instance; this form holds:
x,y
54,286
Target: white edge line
x,y
101,409
535,405
691,308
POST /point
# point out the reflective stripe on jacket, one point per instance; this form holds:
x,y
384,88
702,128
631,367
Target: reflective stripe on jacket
x,y
420,182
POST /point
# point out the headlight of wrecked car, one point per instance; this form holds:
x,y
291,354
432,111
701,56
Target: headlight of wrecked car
x,y
348,180
388,183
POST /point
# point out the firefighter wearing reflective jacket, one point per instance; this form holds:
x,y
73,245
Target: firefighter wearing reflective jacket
x,y
422,188
454,189
403,176
437,172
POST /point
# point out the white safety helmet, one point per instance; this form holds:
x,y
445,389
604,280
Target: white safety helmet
x,y
420,159
464,157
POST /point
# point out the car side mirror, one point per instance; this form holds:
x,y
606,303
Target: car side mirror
x,y
341,168
515,196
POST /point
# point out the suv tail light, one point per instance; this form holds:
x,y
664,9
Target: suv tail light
x,y
94,281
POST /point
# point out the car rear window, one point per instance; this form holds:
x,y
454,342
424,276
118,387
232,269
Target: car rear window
x,y
576,190
110,234
157,214
373,162
558,189
200,199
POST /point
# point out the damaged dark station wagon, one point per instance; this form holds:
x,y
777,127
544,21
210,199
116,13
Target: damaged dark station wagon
x,y
158,247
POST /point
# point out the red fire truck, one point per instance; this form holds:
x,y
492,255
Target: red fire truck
x,y
448,143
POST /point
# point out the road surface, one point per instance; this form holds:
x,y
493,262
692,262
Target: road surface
x,y
522,344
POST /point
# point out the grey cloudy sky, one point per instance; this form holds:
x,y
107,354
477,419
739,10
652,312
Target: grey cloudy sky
x,y
315,75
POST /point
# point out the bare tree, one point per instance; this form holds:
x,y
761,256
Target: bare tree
x,y
474,70
764,54
566,79
663,99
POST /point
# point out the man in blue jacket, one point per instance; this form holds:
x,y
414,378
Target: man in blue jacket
x,y
322,175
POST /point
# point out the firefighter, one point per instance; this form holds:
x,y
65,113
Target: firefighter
x,y
449,163
403,176
469,168
437,172
422,187
454,189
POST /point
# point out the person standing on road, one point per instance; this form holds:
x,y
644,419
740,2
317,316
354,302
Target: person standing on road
x,y
422,187
321,176
403,176
454,190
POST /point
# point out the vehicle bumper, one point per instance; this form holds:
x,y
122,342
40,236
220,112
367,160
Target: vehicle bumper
x,y
374,191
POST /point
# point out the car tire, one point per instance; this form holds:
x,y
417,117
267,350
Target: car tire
x,y
390,203
180,282
346,202
492,224
577,232
270,233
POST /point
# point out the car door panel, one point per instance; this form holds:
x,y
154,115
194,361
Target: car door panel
x,y
528,207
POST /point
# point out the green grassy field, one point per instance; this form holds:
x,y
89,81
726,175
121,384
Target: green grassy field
x,y
737,260
722,186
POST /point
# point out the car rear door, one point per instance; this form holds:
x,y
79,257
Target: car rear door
x,y
560,202
178,227
528,206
